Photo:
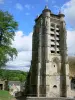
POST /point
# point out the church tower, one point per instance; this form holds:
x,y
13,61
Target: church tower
x,y
49,72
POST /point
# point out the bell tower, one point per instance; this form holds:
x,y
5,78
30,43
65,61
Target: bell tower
x,y
49,73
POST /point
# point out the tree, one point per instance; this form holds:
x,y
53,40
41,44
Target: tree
x,y
13,75
8,26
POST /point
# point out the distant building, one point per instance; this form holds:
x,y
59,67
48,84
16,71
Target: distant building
x,y
49,73
16,88
3,84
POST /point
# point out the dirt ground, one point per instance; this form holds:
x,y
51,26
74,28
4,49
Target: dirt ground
x,y
20,98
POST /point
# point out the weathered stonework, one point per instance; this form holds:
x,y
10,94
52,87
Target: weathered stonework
x,y
49,72
46,98
3,85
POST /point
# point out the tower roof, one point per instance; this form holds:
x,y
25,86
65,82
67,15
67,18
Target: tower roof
x,y
61,14
46,8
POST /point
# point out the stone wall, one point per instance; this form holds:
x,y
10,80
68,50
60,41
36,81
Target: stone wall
x,y
3,85
45,98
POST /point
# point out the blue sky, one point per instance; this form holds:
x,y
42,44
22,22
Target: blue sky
x,y
25,12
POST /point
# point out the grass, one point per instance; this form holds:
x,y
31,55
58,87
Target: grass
x,y
4,95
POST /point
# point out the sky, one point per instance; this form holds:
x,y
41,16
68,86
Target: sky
x,y
25,12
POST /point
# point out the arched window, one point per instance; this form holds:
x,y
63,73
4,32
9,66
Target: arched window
x,y
73,83
52,25
55,86
55,64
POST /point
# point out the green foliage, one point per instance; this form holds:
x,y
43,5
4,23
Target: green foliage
x,y
4,95
8,26
13,75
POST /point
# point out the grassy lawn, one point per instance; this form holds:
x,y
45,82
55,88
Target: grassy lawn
x,y
4,95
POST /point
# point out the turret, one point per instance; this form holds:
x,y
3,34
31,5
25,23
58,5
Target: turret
x,y
46,32
61,15
46,12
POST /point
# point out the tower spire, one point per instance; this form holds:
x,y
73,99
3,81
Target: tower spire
x,y
46,6
60,11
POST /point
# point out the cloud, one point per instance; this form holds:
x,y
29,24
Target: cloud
x,y
68,9
22,68
71,42
47,1
53,1
27,13
19,6
28,6
1,1
23,44
56,9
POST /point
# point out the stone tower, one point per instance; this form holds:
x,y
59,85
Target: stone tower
x,y
49,72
